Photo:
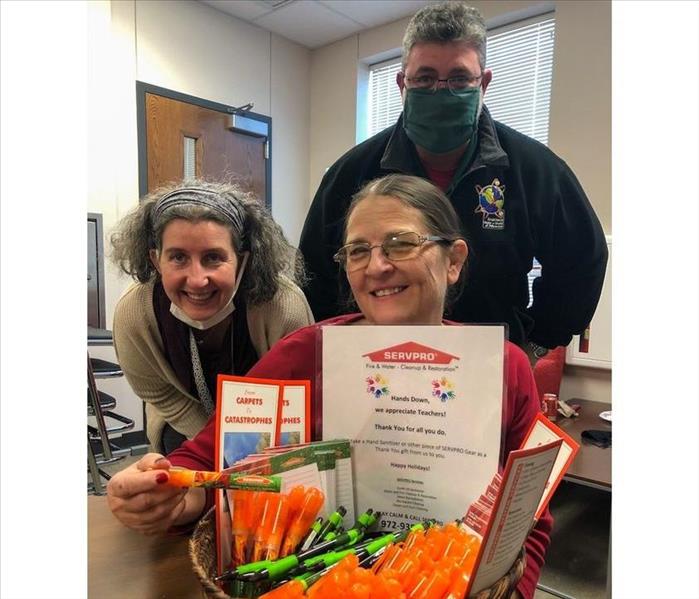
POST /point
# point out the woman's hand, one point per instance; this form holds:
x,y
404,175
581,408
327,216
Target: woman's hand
x,y
140,499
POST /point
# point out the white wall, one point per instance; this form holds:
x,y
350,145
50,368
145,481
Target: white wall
x,y
333,106
191,48
580,123
194,49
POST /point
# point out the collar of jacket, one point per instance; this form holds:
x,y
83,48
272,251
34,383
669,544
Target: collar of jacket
x,y
401,156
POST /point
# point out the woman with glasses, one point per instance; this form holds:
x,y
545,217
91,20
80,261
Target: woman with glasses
x,y
404,256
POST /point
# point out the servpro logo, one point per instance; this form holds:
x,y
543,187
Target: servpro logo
x,y
411,352
251,479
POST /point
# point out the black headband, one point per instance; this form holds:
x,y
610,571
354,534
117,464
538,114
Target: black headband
x,y
227,206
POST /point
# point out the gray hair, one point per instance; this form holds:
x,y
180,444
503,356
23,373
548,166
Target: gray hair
x,y
446,22
438,214
249,222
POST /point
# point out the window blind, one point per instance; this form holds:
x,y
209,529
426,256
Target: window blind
x,y
522,63
384,98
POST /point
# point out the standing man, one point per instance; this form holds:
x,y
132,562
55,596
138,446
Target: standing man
x,y
516,199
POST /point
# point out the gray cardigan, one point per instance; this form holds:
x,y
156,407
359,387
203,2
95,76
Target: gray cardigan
x,y
139,349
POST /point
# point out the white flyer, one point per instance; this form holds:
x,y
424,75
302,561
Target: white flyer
x,y
422,407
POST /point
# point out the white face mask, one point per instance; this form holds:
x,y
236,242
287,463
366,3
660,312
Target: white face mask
x,y
222,314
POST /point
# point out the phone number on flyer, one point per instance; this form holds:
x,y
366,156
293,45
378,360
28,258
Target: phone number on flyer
x,y
394,525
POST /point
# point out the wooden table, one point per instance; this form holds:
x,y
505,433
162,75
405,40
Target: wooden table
x,y
593,465
123,563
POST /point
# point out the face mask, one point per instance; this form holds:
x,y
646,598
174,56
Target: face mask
x,y
440,122
223,313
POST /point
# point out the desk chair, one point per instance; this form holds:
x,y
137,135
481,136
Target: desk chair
x,y
96,474
107,402
103,369
101,405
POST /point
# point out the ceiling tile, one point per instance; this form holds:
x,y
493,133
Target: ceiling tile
x,y
372,13
243,9
308,23
314,23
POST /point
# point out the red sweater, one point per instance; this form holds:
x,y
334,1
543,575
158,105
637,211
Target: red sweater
x,y
294,357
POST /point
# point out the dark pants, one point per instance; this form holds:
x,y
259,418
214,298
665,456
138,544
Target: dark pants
x,y
171,439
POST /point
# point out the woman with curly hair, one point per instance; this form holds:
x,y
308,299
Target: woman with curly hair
x,y
216,287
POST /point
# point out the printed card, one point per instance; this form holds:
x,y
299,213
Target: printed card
x,y
296,413
249,414
248,417
541,432
526,474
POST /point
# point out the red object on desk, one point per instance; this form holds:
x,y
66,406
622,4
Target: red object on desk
x,y
548,372
584,345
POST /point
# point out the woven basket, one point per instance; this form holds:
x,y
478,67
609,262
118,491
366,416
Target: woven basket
x,y
202,551
502,588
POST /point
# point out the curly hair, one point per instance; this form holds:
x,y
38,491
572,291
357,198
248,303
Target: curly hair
x,y
271,255
446,22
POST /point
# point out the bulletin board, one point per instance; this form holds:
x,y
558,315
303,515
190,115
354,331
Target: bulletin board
x,y
594,347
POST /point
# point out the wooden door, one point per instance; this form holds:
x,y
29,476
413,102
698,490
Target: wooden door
x,y
95,272
184,135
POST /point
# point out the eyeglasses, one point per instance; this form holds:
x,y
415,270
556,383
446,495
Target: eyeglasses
x,y
400,246
455,84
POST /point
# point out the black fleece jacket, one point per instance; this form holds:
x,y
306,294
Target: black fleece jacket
x,y
545,214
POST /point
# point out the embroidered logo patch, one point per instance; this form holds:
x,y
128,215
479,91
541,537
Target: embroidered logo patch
x,y
491,200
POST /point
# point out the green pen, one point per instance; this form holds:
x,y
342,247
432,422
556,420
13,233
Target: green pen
x,y
312,534
253,571
349,537
241,570
333,534
310,578
281,567
328,560
325,560
369,548
366,519
275,570
334,520
397,536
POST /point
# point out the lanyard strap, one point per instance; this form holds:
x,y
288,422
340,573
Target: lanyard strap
x,y
198,371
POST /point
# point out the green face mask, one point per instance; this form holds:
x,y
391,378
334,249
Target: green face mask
x,y
440,122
